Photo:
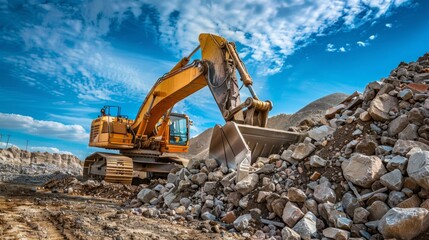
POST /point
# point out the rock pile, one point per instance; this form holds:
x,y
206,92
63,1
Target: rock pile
x,y
15,162
362,173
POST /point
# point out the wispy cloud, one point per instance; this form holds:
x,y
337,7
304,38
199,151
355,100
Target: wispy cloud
x,y
330,47
49,129
361,44
275,30
64,50
372,37
389,25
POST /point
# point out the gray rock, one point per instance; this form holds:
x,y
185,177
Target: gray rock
x,y
395,198
363,170
211,164
397,162
145,195
173,178
409,133
278,205
415,116
193,164
184,185
360,215
405,94
381,106
311,205
418,168
243,222
306,227
349,203
199,178
185,202
247,184
397,125
291,214
169,198
316,161
323,193
402,147
335,233
290,234
183,173
262,195
215,176
209,187
367,146
392,180
377,210
343,223
420,77
244,201
321,132
403,223
208,216
296,195
303,150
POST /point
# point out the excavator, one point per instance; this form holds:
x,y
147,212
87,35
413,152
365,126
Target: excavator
x,y
146,144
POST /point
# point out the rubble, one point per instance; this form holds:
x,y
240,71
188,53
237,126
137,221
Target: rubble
x,y
362,173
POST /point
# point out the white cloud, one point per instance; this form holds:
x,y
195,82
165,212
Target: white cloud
x,y
275,30
330,47
342,49
361,44
42,128
49,150
372,37
389,25
72,48
8,145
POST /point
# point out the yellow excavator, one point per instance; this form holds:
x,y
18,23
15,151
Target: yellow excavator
x,y
146,143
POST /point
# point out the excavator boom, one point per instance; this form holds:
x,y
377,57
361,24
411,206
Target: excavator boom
x,y
154,130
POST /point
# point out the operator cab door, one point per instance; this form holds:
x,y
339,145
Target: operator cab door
x,y
178,133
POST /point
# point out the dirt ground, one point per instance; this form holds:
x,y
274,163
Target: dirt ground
x,y
29,214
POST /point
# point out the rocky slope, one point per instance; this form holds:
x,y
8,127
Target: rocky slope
x,y
22,166
362,173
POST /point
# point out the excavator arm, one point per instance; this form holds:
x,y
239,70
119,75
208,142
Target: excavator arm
x,y
238,143
217,70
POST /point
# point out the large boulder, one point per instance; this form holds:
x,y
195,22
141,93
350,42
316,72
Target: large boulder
x,y
418,168
381,106
363,170
247,184
403,223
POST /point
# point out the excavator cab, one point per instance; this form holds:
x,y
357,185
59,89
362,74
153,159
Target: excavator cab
x,y
177,134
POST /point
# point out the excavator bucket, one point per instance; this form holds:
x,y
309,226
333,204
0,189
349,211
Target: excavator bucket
x,y
239,146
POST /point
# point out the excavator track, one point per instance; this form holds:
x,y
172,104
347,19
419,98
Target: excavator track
x,y
114,168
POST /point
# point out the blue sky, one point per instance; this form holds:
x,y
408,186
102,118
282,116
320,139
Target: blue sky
x,y
60,62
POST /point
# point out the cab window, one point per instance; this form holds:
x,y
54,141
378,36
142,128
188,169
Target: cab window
x,y
178,130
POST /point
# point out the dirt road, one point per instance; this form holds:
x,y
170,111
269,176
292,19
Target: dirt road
x,y
29,214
